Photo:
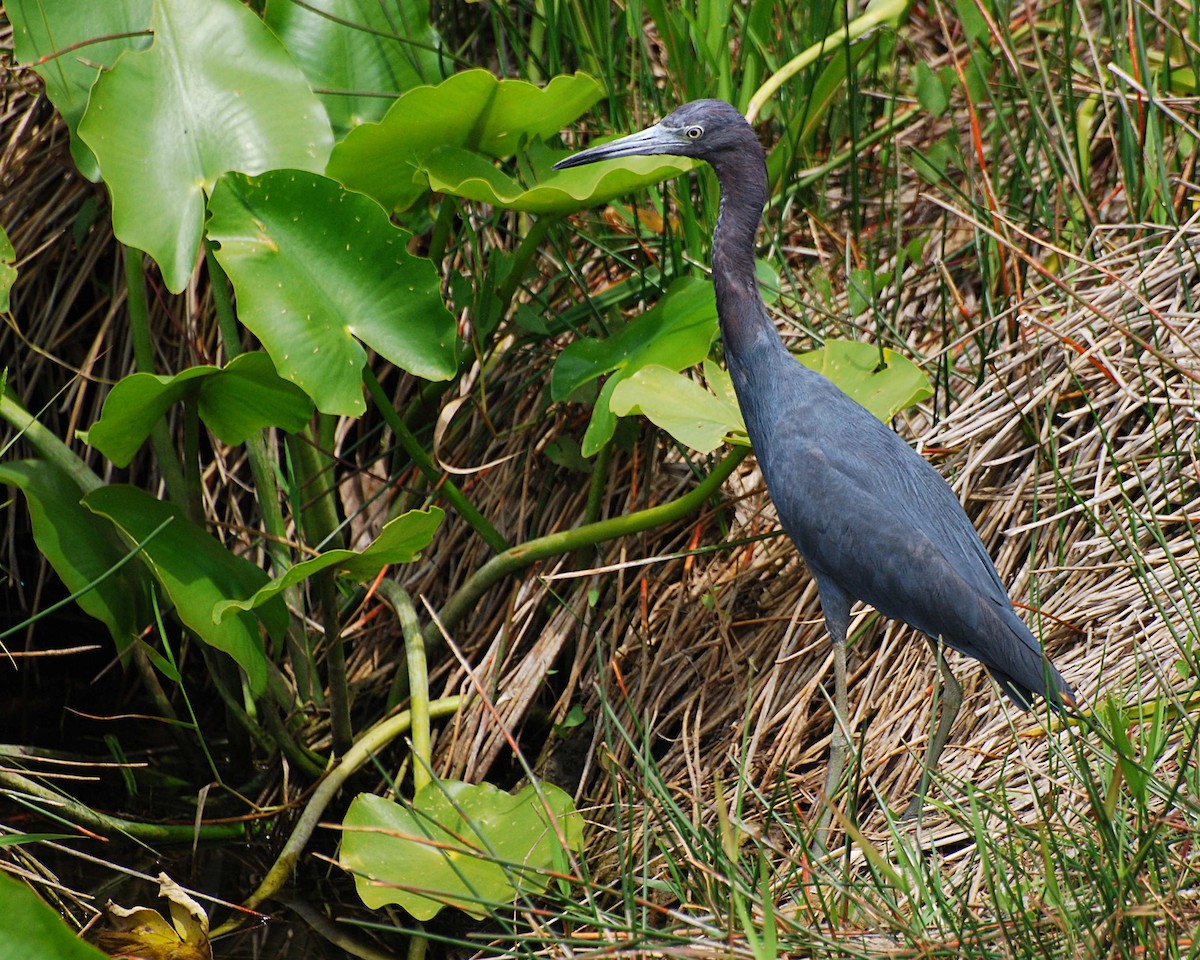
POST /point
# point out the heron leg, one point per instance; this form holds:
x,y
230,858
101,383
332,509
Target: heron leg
x,y
836,607
951,703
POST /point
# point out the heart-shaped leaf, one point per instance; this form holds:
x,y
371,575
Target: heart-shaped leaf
x,y
348,46
856,368
42,29
236,401
197,572
471,110
215,92
472,847
400,541
82,548
679,405
318,269
677,332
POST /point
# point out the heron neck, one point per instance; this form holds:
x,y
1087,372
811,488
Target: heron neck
x,y
744,319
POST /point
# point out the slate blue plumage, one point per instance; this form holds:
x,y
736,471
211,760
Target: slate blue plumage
x,y
872,520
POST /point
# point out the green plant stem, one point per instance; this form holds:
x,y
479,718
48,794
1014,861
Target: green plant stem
x,y
522,555
418,678
522,257
321,531
71,810
370,743
48,445
143,356
264,471
888,12
426,464
591,513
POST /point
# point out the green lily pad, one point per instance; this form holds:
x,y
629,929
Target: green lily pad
x,y
245,396
216,91
197,572
348,46
471,110
317,270
82,548
400,541
42,29
457,844
677,332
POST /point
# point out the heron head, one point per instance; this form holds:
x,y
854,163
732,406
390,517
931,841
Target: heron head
x,y
703,129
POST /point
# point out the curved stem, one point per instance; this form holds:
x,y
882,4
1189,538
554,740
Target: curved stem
x,y
370,743
48,445
20,788
553,544
418,678
888,12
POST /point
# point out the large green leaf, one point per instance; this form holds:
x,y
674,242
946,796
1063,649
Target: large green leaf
x,y
197,572
34,931
358,49
471,110
215,92
245,396
42,29
676,332
400,541
466,174
317,269
702,420
82,548
679,405
856,368
457,845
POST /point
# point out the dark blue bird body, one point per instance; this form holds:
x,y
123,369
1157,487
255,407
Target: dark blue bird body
x,y
873,521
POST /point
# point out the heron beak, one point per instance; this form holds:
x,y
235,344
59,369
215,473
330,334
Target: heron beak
x,y
653,140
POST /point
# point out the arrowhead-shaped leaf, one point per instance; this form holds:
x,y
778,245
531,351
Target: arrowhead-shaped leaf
x,y
82,548
471,110
318,269
215,92
472,847
400,541
42,29
358,45
235,401
197,572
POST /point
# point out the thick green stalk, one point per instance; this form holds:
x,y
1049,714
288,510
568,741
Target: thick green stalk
x,y
48,446
72,811
143,356
321,532
263,470
426,464
524,554
418,678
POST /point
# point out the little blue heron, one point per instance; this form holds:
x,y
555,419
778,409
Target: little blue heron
x,y
872,520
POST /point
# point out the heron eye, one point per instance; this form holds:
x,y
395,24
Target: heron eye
x,y
694,133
